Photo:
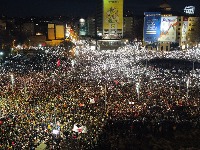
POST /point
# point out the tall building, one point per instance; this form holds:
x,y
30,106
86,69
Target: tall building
x,y
99,19
138,22
128,28
91,26
193,32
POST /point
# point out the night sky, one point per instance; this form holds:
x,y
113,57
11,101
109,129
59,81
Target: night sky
x,y
24,8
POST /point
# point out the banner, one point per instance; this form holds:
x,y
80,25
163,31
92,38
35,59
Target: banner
x,y
152,26
82,27
79,129
92,101
60,32
113,16
168,29
184,29
188,82
137,85
58,63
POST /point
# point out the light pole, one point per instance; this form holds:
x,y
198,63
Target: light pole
x,y
137,85
29,43
187,84
13,43
1,58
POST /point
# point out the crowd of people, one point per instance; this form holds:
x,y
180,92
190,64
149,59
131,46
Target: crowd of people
x,y
70,103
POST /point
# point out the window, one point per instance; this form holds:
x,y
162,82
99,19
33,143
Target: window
x,y
166,48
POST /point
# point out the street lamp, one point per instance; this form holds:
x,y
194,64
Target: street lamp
x,y
13,43
29,42
1,58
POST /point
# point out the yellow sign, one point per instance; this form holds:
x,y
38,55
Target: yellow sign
x,y
113,14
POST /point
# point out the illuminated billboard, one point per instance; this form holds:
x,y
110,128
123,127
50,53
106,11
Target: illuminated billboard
x,y
50,25
82,27
152,26
51,32
184,29
60,32
168,29
113,17
189,10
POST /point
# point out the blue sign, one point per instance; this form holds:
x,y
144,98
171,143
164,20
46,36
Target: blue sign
x,y
152,23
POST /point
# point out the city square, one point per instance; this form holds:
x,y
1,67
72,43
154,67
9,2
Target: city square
x,y
114,82
79,98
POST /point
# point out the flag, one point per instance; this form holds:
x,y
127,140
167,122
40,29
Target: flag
x,y
92,101
75,128
81,105
84,129
137,87
79,129
58,63
12,79
188,82
116,82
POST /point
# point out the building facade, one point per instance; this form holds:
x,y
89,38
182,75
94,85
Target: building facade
x,y
167,30
91,28
193,32
128,28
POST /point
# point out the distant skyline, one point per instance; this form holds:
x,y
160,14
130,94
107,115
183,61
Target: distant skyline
x,y
82,8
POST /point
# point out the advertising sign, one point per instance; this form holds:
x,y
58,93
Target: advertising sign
x,y
152,26
184,29
113,16
51,32
60,34
189,10
168,29
82,27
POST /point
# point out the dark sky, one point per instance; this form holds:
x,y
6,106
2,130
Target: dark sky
x,y
80,7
